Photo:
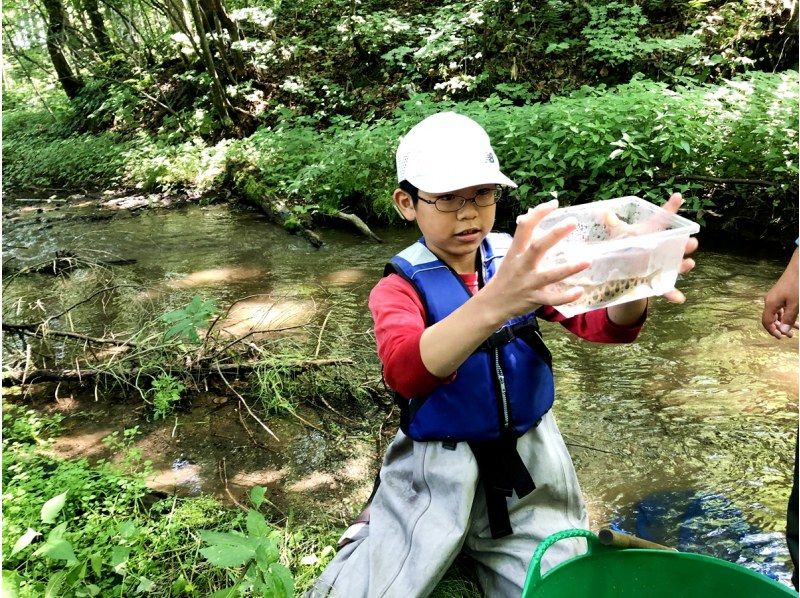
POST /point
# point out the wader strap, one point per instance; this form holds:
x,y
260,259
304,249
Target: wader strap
x,y
501,470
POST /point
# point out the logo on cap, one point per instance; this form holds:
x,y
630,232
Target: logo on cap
x,y
490,158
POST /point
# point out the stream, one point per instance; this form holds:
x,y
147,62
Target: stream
x,y
685,437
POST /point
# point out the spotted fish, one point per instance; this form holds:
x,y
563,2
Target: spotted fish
x,y
611,290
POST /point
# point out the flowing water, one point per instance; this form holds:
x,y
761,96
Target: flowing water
x,y
685,436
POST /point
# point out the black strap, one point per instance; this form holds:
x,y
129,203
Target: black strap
x,y
527,331
502,471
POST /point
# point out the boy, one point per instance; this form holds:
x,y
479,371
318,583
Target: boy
x,y
458,339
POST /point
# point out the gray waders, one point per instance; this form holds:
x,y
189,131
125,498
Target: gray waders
x,y
428,508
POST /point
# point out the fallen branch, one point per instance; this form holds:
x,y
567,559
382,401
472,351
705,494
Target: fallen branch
x,y
40,332
15,376
720,181
223,477
358,223
277,211
246,406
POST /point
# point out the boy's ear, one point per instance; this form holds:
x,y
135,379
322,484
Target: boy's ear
x,y
404,205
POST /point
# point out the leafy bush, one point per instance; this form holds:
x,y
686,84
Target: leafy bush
x,y
639,138
166,393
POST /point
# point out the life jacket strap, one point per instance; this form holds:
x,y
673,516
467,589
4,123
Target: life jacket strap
x,y
501,470
527,331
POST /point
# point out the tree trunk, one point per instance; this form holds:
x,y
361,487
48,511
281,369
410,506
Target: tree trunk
x,y
233,30
56,37
218,97
91,8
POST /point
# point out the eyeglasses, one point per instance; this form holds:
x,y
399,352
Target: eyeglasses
x,y
453,203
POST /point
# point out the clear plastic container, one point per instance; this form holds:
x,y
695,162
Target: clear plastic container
x,y
635,247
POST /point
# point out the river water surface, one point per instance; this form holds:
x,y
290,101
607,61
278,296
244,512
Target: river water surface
x,y
685,436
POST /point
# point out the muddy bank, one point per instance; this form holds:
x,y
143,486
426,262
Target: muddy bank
x,y
215,447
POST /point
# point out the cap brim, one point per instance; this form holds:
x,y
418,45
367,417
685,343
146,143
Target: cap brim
x,y
441,183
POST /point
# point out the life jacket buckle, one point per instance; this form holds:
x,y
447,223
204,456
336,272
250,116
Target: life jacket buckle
x,y
500,337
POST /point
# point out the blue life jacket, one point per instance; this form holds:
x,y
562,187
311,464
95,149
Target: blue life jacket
x,y
505,387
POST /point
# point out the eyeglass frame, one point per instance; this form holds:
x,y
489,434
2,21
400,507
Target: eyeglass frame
x,y
498,191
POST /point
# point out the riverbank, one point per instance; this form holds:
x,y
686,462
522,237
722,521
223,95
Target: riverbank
x,y
729,148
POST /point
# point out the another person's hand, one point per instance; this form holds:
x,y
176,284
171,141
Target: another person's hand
x,y
780,303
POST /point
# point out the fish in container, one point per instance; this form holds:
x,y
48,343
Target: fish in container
x,y
635,249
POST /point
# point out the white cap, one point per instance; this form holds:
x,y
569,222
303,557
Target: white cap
x,y
446,152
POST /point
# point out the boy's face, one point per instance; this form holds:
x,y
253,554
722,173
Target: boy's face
x,y
453,237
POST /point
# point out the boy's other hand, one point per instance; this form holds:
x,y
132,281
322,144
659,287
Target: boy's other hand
x,y
522,284
673,204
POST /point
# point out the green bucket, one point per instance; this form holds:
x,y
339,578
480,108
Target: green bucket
x,y
606,572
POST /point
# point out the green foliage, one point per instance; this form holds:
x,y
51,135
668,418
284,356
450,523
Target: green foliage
x,y
186,320
613,31
72,529
25,427
598,143
166,393
257,551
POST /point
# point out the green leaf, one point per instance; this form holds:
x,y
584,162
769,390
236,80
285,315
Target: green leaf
x,y
228,592
227,555
119,557
52,508
76,574
257,495
145,585
11,581
128,529
615,153
231,539
58,550
684,145
283,580
266,555
53,588
96,561
57,532
256,524
23,542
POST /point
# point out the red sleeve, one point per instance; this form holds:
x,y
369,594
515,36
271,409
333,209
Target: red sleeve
x,y
595,325
399,323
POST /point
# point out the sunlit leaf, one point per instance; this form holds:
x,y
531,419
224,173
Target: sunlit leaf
x,y
23,542
11,582
52,508
256,524
227,555
257,495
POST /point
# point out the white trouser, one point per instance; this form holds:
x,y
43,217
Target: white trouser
x,y
429,507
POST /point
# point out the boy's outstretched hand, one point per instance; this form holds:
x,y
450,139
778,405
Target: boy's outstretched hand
x,y
521,284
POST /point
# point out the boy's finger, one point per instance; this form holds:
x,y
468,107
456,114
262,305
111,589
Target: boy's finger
x,y
674,296
550,238
691,246
563,297
674,203
788,317
559,273
526,223
686,265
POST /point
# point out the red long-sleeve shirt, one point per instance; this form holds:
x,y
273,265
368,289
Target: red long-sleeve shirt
x,y
400,321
